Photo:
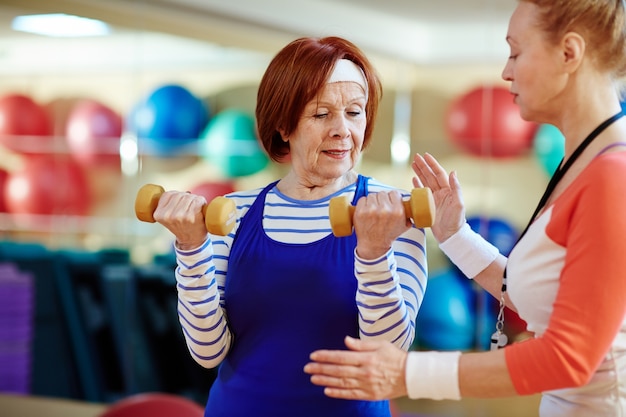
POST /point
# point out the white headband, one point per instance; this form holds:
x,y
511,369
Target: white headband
x,y
346,70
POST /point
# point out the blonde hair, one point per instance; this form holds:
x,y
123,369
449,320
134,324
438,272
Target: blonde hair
x,y
601,22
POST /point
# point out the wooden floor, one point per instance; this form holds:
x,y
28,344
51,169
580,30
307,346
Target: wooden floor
x,y
25,406
502,407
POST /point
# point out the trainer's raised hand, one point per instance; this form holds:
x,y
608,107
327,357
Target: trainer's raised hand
x,y
450,210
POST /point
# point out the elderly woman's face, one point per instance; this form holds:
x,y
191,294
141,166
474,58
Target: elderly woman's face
x,y
328,140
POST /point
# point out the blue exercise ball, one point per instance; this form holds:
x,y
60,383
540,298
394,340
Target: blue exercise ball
x,y
503,236
446,320
486,309
497,231
168,121
549,147
229,142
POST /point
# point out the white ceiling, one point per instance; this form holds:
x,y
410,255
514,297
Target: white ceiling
x,y
412,30
210,32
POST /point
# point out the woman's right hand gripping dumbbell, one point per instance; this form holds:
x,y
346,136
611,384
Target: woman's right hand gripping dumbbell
x,y
182,214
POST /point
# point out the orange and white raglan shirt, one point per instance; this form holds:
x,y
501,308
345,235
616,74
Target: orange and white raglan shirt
x,y
567,280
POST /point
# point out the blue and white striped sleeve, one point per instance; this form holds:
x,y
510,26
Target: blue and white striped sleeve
x,y
200,312
391,289
201,280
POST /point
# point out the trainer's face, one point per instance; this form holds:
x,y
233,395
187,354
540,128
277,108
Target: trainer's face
x,y
534,67
328,140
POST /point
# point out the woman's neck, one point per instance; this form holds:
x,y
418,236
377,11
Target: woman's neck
x,y
301,188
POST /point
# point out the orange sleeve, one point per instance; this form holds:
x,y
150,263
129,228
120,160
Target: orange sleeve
x,y
590,305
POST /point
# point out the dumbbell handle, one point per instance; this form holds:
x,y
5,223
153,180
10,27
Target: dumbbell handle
x,y
405,203
420,208
219,215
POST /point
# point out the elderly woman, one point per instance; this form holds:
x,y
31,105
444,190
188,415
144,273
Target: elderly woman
x,y
280,285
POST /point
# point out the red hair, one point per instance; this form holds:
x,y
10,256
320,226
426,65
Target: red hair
x,y
295,76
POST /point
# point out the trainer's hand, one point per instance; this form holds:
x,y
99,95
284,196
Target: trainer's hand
x,y
370,370
450,211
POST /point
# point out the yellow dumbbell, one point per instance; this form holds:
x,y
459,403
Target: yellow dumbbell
x,y
420,207
219,214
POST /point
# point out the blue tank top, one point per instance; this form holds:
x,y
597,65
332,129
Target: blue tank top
x,y
283,302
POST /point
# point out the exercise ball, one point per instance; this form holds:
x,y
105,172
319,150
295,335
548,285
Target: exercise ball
x,y
58,111
93,133
47,185
497,231
3,180
446,319
168,120
503,236
486,122
486,311
230,143
154,404
394,409
549,147
24,125
211,189
514,325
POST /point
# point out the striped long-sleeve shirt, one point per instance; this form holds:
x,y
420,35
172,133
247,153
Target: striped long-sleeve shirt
x,y
389,289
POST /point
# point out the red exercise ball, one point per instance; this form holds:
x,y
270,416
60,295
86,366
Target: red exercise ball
x,y
514,325
394,409
3,180
486,122
154,404
58,111
210,190
93,133
47,185
24,125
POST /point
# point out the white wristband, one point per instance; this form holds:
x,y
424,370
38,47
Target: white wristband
x,y
469,251
433,375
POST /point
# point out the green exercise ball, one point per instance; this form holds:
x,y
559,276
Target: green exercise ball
x,y
229,142
548,146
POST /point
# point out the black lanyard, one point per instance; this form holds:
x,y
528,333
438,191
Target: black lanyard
x,y
499,339
560,172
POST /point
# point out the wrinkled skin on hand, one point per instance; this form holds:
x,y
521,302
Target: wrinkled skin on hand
x,y
379,219
181,214
370,370
446,189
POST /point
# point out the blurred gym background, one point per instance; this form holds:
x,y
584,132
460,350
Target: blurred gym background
x,y
164,92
